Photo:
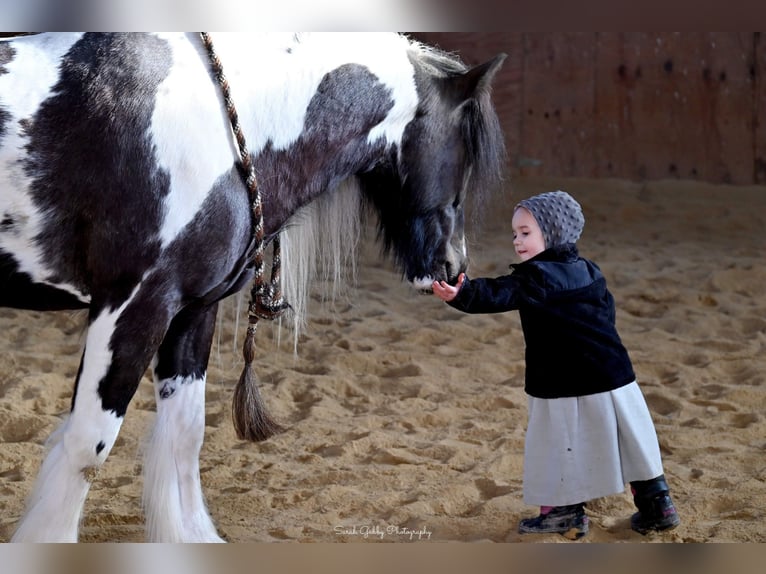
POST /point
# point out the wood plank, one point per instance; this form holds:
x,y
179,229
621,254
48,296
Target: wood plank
x,y
675,105
558,130
618,72
759,104
719,106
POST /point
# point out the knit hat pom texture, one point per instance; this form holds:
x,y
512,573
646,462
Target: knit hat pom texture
x,y
559,216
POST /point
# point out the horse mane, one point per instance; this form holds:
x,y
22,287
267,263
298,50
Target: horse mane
x,y
319,250
319,255
482,133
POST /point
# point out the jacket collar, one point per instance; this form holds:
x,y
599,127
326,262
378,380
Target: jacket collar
x,y
564,253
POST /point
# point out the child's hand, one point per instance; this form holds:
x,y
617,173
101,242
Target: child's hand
x,y
445,291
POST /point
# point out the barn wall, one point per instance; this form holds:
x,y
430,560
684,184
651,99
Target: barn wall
x,y
633,105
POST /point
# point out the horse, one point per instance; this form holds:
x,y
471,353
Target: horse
x,y
122,193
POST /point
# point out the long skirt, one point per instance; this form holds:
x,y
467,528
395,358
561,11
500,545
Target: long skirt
x,y
581,448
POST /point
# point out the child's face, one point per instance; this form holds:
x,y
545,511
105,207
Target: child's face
x,y
528,239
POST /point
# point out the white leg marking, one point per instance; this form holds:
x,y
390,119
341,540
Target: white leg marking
x,y
173,501
53,510
78,448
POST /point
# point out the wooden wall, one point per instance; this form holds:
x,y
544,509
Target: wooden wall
x,y
633,105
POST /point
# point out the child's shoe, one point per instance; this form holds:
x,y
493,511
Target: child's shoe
x,y
659,513
569,521
655,507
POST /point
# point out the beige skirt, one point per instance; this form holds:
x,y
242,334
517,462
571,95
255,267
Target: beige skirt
x,y
581,448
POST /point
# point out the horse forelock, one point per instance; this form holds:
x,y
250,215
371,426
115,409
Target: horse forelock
x,y
479,125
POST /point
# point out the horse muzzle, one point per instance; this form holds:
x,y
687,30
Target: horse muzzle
x,y
448,272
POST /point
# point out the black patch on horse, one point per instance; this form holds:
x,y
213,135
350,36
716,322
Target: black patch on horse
x,y
18,290
6,56
93,166
327,147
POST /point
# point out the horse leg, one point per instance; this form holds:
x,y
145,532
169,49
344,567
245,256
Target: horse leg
x,y
173,500
118,347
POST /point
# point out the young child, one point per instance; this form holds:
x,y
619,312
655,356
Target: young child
x,y
589,430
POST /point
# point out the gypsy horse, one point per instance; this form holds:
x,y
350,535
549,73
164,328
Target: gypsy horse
x,y
121,193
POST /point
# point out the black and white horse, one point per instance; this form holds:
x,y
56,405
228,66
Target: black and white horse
x,y
120,193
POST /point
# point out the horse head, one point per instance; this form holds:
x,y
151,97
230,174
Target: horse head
x,y
453,148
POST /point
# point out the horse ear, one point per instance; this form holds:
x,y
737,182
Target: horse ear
x,y
478,79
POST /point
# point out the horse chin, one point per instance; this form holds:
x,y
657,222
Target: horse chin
x,y
423,285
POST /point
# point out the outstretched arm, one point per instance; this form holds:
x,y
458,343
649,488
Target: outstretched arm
x,y
447,292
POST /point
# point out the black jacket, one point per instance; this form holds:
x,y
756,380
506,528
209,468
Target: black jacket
x,y
568,318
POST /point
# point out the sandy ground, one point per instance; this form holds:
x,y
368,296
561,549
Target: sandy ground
x,y
406,418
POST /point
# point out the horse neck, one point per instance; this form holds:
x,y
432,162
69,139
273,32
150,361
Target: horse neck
x,y
316,108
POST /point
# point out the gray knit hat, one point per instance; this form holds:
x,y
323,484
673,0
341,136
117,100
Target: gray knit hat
x,y
559,216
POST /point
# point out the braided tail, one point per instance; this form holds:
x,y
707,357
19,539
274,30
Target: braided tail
x,y
251,419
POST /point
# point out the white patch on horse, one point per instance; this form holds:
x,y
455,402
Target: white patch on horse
x,y
79,447
39,65
387,64
199,120
173,501
191,135
55,506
